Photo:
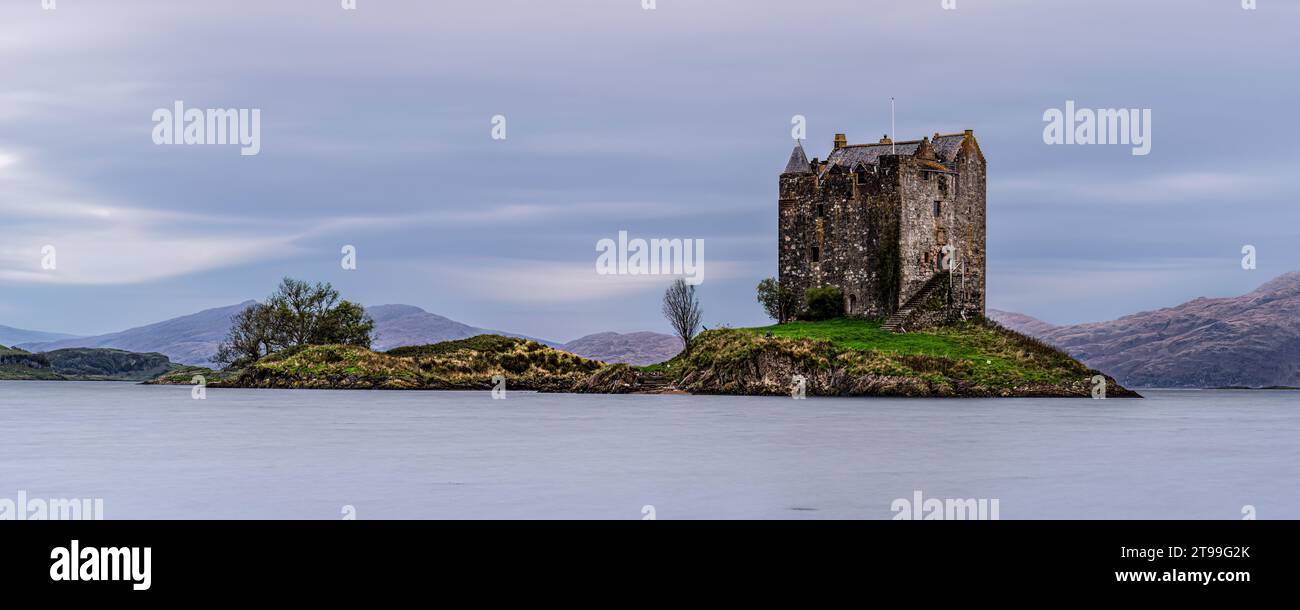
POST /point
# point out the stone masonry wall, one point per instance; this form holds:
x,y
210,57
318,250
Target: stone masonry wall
x,y
875,234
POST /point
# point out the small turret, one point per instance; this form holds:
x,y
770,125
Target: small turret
x,y
798,163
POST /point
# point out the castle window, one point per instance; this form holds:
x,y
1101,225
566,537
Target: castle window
x,y
821,210
938,209
853,303
927,176
816,254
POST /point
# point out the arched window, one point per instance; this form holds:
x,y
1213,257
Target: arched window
x,y
853,303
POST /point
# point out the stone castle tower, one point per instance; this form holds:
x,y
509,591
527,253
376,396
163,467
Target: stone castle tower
x,y
876,221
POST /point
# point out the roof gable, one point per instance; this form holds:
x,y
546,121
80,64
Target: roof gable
x,y
945,147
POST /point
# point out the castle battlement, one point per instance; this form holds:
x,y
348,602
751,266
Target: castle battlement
x,y
876,220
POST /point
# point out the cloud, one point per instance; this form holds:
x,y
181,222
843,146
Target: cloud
x,y
376,125
97,243
1171,187
529,281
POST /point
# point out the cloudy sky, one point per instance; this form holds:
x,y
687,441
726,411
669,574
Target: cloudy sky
x,y
672,122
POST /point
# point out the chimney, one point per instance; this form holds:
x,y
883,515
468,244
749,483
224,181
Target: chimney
x,y
924,151
840,141
885,139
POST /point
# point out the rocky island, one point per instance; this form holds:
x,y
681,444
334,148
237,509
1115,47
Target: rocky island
x,y
842,357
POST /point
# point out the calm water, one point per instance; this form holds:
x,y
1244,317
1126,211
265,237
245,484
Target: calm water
x,y
153,452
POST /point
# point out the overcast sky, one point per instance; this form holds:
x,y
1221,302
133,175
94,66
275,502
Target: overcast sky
x,y
672,122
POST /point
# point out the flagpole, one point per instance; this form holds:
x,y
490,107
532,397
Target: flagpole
x,y
892,136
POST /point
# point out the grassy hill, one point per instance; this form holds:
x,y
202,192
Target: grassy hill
x,y
853,357
20,364
464,364
81,364
837,358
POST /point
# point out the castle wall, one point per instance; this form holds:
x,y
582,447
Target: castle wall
x,y
972,218
960,223
876,234
922,235
796,232
852,221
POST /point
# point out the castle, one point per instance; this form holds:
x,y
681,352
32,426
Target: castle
x,y
897,226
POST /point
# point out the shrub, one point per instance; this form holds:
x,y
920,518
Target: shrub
x,y
824,303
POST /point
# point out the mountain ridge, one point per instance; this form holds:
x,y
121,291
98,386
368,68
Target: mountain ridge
x,y
15,336
1250,340
192,339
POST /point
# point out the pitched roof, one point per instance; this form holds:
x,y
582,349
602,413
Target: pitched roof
x,y
798,161
945,148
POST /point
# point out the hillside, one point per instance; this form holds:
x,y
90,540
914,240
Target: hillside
x,y
190,339
1251,340
15,336
852,357
464,364
405,325
193,339
20,364
81,364
640,348
1021,323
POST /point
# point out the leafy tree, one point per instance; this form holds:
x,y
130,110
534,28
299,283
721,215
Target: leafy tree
x,y
249,338
299,309
297,314
824,303
346,324
778,301
682,310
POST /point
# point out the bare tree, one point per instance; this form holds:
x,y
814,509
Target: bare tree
x,y
683,311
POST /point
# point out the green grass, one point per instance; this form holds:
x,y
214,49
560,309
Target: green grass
x,y
478,343
849,333
978,352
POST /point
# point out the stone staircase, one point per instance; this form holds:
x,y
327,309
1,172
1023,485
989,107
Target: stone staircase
x,y
896,323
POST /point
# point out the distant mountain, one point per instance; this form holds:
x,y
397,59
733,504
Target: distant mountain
x,y
193,339
639,348
1021,323
188,339
14,336
1251,340
403,325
